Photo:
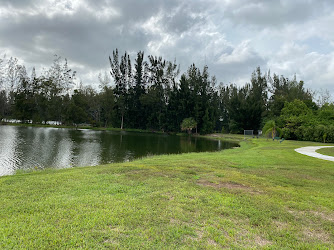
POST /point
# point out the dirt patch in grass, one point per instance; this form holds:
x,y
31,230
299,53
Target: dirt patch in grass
x,y
324,216
174,221
111,242
169,196
259,241
228,185
281,225
198,236
247,240
213,243
317,234
314,230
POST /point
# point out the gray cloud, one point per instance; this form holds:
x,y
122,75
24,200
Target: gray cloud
x,y
274,13
232,37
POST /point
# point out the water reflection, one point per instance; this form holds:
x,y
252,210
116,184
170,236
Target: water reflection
x,y
9,157
30,147
64,156
88,149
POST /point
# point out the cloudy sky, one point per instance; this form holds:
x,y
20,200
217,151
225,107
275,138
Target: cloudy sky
x,y
232,37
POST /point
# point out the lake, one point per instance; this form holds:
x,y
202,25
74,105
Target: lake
x,y
25,148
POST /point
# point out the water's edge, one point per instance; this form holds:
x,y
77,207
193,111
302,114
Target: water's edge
x,y
24,148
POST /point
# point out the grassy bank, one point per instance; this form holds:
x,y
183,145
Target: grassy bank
x,y
261,195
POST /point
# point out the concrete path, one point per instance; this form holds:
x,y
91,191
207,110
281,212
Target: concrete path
x,y
310,151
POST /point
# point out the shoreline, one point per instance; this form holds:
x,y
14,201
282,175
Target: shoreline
x,y
219,142
83,127
215,136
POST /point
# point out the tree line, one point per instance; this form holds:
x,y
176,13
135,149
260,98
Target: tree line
x,y
151,94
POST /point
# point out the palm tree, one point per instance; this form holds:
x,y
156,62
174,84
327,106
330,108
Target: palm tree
x,y
271,128
188,124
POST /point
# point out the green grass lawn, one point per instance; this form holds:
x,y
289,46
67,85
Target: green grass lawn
x,y
261,195
326,151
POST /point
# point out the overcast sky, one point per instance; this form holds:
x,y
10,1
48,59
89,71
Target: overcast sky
x,y
232,37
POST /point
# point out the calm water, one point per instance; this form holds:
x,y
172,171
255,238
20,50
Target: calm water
x,y
29,147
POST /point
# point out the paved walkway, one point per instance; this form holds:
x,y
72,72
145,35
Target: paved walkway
x,y
310,151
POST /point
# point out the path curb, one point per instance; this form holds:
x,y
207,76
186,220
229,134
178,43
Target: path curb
x,y
310,151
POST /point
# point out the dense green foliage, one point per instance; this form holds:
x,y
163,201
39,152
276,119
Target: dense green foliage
x,y
270,129
188,124
263,195
150,95
309,124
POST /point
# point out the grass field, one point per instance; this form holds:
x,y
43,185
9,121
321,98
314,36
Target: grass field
x,y
261,195
326,151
